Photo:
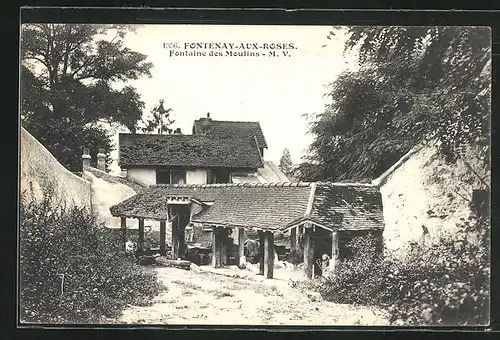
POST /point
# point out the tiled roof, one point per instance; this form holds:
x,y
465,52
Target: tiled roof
x,y
271,206
350,206
229,129
187,150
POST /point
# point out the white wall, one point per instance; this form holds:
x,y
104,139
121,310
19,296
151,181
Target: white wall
x,y
425,190
198,176
143,176
105,194
41,174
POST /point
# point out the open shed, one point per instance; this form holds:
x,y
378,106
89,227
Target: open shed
x,y
312,212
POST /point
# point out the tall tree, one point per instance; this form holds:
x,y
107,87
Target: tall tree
x,y
69,85
413,84
160,120
286,162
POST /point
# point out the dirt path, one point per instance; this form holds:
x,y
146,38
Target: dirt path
x,y
207,298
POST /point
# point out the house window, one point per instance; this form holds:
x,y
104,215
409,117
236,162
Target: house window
x,y
210,177
222,176
170,177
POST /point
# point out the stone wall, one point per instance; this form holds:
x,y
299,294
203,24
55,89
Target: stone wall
x,y
41,174
425,198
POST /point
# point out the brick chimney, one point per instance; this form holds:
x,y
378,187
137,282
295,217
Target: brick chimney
x,y
101,160
85,158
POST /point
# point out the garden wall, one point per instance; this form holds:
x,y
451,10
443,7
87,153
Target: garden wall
x,y
41,174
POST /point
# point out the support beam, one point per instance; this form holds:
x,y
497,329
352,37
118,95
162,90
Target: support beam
x,y
214,247
175,238
141,234
123,226
224,251
268,254
335,250
218,248
293,239
183,213
242,261
309,252
261,252
163,249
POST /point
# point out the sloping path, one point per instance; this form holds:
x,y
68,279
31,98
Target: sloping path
x,y
207,299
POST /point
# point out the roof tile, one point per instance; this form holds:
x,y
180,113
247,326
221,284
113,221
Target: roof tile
x,y
187,151
229,129
268,206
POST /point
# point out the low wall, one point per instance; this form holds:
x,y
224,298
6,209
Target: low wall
x,y
41,174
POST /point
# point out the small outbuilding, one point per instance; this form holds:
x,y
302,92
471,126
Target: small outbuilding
x,y
320,217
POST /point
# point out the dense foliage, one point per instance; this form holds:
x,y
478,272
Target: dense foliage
x,y
413,83
70,77
159,121
446,284
73,270
286,164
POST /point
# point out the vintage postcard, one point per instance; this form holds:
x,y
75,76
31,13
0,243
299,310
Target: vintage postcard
x,y
178,174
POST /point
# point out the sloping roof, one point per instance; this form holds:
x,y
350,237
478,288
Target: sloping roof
x,y
229,129
270,173
187,151
351,206
272,206
115,179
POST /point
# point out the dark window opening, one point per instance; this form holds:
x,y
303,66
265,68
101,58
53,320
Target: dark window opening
x,y
210,177
222,176
170,177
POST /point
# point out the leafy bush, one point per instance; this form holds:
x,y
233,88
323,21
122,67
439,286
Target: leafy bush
x,y
444,284
73,270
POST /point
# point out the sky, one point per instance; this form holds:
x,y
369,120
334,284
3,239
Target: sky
x,y
275,91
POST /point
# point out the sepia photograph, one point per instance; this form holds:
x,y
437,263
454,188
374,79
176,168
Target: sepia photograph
x,y
254,175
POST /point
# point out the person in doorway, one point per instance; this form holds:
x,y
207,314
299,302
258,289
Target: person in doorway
x,y
323,264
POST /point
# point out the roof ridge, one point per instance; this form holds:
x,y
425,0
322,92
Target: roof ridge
x,y
242,185
347,184
229,121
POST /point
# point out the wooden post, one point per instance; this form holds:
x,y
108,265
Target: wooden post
x,y
242,261
268,254
261,252
162,238
183,220
175,238
335,250
308,252
218,247
293,239
141,234
123,226
222,246
214,247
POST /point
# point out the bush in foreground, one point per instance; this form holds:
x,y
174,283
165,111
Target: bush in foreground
x,y
445,284
73,270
